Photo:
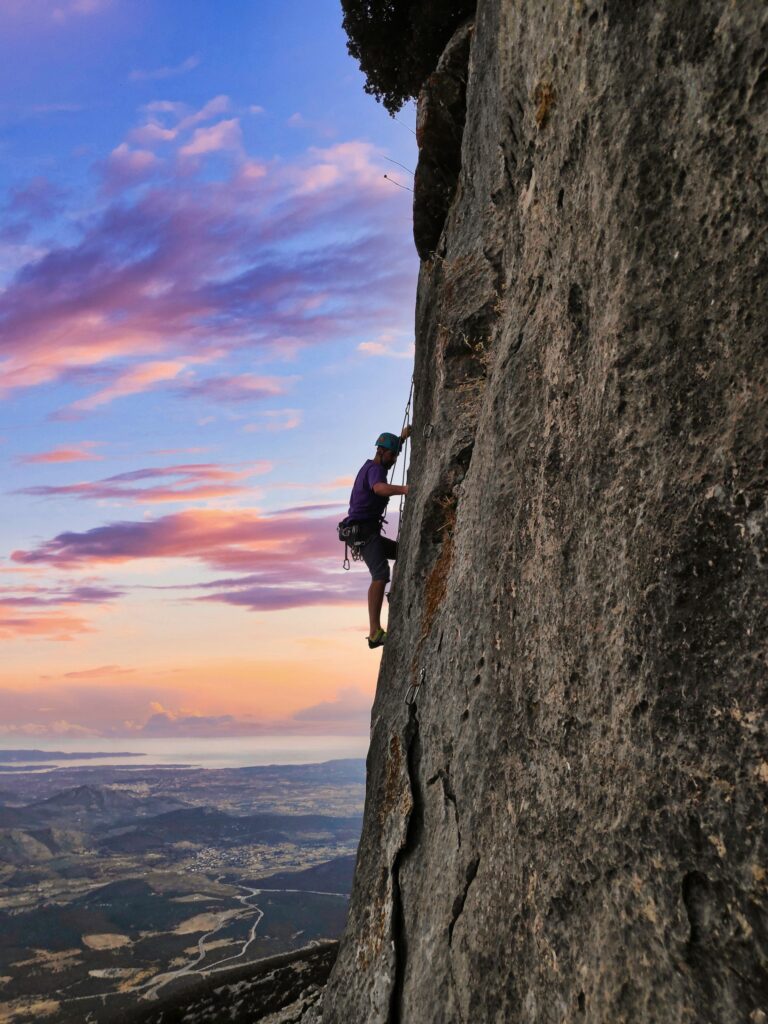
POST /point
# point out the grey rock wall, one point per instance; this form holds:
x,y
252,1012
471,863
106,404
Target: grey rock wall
x,y
440,118
569,822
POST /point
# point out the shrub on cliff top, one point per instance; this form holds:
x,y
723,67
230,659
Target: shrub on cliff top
x,y
398,42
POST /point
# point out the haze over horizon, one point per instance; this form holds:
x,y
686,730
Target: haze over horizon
x,y
206,296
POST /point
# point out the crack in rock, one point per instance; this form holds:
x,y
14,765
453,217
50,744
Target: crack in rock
x,y
458,907
413,828
444,775
461,899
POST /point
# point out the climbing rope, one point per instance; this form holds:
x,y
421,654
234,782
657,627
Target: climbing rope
x,y
404,457
349,533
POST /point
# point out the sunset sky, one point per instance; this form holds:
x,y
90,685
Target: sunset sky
x,y
206,306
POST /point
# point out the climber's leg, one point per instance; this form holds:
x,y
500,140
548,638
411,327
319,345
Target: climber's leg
x,y
390,550
375,601
375,556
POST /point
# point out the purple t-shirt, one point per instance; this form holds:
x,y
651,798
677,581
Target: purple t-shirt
x,y
363,503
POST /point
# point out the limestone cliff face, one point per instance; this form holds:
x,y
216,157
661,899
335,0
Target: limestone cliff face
x,y
569,822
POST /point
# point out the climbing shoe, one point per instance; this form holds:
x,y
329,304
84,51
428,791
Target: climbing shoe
x,y
378,638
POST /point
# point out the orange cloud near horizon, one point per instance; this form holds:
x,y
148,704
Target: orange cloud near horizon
x,y
225,698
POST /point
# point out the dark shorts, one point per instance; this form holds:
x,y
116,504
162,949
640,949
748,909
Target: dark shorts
x,y
375,554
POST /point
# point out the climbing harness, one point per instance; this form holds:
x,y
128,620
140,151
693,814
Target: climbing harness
x,y
349,534
413,689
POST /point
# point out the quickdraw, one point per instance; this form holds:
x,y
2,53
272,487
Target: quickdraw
x,y
413,690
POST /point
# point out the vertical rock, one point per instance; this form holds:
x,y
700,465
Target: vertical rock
x,y
569,824
440,118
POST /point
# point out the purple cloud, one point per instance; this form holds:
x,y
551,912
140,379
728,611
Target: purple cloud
x,y
40,198
125,167
271,597
46,597
49,612
289,560
186,482
275,257
350,705
244,387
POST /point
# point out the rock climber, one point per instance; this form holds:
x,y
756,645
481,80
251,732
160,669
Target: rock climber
x,y
367,505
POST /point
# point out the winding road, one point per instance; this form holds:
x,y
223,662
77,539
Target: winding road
x,y
149,989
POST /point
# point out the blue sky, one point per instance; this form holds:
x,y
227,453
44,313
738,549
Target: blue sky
x,y
206,304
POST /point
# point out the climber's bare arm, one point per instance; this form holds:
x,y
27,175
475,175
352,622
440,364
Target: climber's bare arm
x,y
389,490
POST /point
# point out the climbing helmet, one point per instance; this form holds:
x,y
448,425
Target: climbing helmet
x,y
389,441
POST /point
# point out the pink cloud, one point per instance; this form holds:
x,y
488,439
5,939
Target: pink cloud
x,y
105,709
222,539
131,382
277,260
78,453
49,613
152,133
348,714
345,162
100,672
291,559
125,167
52,596
275,420
50,625
168,120
250,171
386,345
243,387
75,706
270,596
214,138
343,483
166,722
188,482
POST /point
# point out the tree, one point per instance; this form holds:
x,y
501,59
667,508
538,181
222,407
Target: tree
x,y
398,42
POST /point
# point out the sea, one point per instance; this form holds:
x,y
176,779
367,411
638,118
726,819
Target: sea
x,y
208,752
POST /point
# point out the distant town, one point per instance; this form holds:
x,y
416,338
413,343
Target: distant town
x,y
123,884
